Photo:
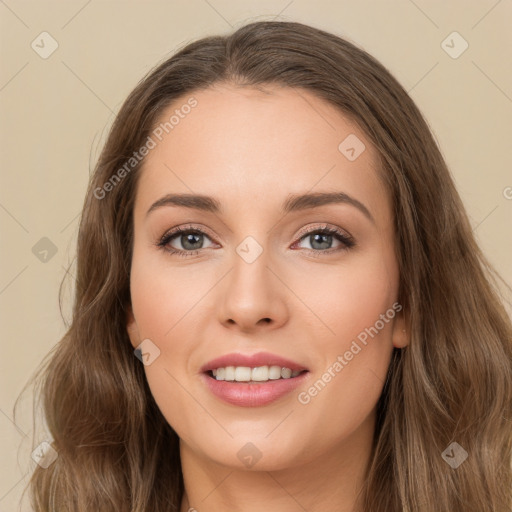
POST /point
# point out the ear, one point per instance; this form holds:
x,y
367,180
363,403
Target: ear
x,y
131,327
401,333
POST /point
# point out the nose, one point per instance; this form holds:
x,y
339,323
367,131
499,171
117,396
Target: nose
x,y
253,296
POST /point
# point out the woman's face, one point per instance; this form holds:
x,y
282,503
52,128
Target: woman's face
x,y
254,273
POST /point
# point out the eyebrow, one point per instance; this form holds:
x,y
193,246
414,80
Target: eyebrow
x,y
292,204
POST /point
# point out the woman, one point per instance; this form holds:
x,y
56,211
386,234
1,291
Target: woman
x,y
279,299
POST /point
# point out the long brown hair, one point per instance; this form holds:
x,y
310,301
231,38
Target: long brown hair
x,y
452,384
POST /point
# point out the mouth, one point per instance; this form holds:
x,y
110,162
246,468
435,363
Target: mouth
x,y
253,375
253,380
258,367
253,393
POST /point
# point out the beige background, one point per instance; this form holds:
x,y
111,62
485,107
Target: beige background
x,y
55,111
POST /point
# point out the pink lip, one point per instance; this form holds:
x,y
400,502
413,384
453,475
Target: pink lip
x,y
246,394
252,360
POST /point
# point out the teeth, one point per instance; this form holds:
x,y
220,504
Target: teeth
x,y
242,374
230,373
258,374
286,373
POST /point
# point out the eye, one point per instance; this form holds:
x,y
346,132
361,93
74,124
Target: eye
x,y
191,241
321,240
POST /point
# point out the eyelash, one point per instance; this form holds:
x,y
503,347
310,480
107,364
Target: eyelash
x,y
347,241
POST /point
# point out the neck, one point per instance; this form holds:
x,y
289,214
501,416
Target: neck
x,y
327,481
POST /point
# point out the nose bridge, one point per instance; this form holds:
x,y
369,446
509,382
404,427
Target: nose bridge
x,y
252,292
250,279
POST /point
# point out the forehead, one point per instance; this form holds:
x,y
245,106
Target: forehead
x,y
245,145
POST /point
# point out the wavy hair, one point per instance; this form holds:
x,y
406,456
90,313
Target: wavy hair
x,y
452,383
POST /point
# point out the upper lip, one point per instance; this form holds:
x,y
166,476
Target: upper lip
x,y
251,360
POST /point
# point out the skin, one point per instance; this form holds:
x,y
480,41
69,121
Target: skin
x,y
251,149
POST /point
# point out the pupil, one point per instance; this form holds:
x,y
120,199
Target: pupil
x,y
186,239
319,236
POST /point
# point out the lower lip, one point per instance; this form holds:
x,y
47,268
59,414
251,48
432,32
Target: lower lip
x,y
244,394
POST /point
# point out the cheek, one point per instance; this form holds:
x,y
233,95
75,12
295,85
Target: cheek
x,y
350,297
355,301
161,316
164,315
163,297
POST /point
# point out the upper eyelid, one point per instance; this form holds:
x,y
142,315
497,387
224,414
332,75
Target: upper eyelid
x,y
186,228
323,226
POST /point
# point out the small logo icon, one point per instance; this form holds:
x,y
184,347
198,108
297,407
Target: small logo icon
x,y
44,45
454,455
147,352
351,147
44,250
454,45
44,455
249,455
249,250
